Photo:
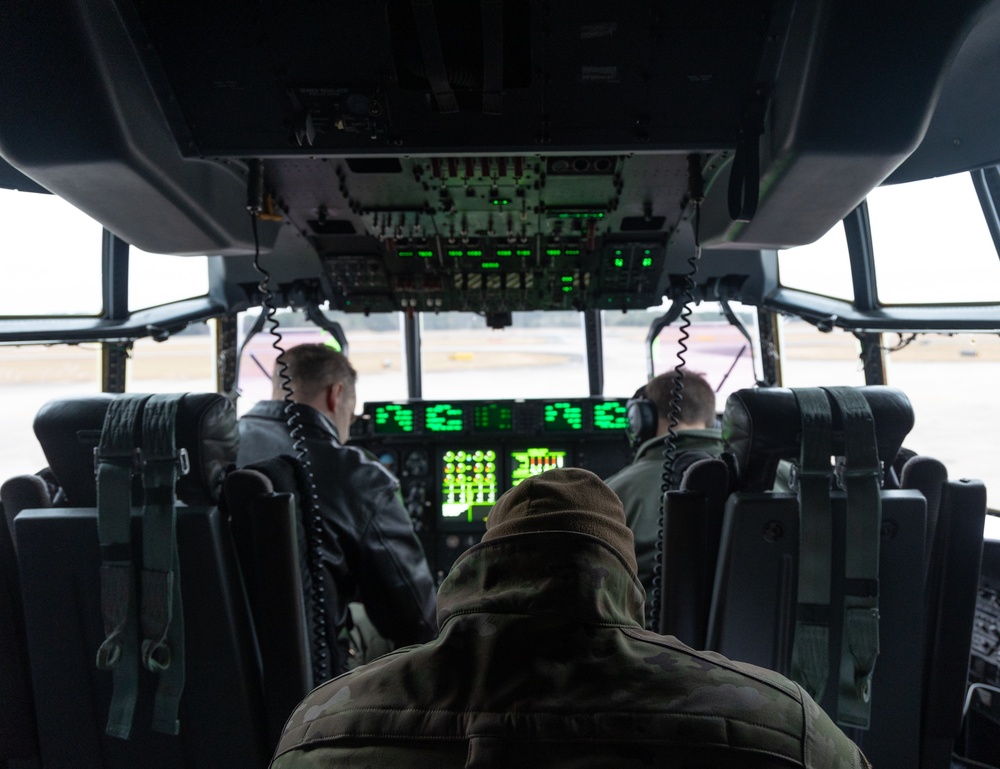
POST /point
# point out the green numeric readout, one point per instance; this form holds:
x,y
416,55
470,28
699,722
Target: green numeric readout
x,y
444,418
393,418
563,415
493,417
610,415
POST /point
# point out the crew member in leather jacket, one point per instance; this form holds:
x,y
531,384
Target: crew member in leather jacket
x,y
370,551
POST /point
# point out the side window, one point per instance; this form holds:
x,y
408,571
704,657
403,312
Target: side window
x,y
811,358
31,376
376,353
715,349
185,362
933,227
155,279
823,267
951,382
45,235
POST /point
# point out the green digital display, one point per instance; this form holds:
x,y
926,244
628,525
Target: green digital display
x,y
610,415
469,485
563,415
525,463
444,418
393,418
493,417
405,254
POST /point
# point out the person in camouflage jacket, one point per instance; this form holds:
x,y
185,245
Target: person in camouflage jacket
x,y
542,661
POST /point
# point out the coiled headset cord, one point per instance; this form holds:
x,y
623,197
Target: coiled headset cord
x,y
312,520
696,194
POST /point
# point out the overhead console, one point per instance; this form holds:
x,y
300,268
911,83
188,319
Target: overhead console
x,y
804,106
494,233
455,458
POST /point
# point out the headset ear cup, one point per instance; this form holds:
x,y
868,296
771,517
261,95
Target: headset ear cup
x,y
642,420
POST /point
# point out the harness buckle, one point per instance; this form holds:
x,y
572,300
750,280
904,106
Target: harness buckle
x,y
182,459
842,473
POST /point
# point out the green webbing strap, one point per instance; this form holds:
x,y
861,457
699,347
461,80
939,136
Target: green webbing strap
x,y
115,462
860,475
811,648
161,613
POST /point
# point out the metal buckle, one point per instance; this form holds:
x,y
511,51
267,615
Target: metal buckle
x,y
842,472
796,474
181,458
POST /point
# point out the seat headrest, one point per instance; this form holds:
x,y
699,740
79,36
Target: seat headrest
x,y
762,426
70,429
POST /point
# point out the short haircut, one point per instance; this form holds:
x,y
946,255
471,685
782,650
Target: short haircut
x,y
312,368
697,398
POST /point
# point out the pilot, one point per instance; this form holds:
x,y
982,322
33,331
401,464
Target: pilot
x,y
542,660
639,485
370,551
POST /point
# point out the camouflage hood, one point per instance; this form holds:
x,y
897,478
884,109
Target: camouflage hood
x,y
568,499
576,577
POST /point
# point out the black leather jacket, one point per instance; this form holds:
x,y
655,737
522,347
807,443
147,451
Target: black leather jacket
x,y
382,563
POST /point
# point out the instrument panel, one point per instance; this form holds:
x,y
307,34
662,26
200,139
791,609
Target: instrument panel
x,y
455,458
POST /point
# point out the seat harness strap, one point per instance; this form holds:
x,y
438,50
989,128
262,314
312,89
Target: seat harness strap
x,y
810,650
115,464
161,613
859,474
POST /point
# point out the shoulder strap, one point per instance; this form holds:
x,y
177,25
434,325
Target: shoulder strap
x,y
859,473
115,463
162,613
811,648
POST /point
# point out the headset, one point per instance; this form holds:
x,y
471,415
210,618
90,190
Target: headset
x,y
643,418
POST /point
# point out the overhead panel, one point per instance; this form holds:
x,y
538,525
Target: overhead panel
x,y
487,233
